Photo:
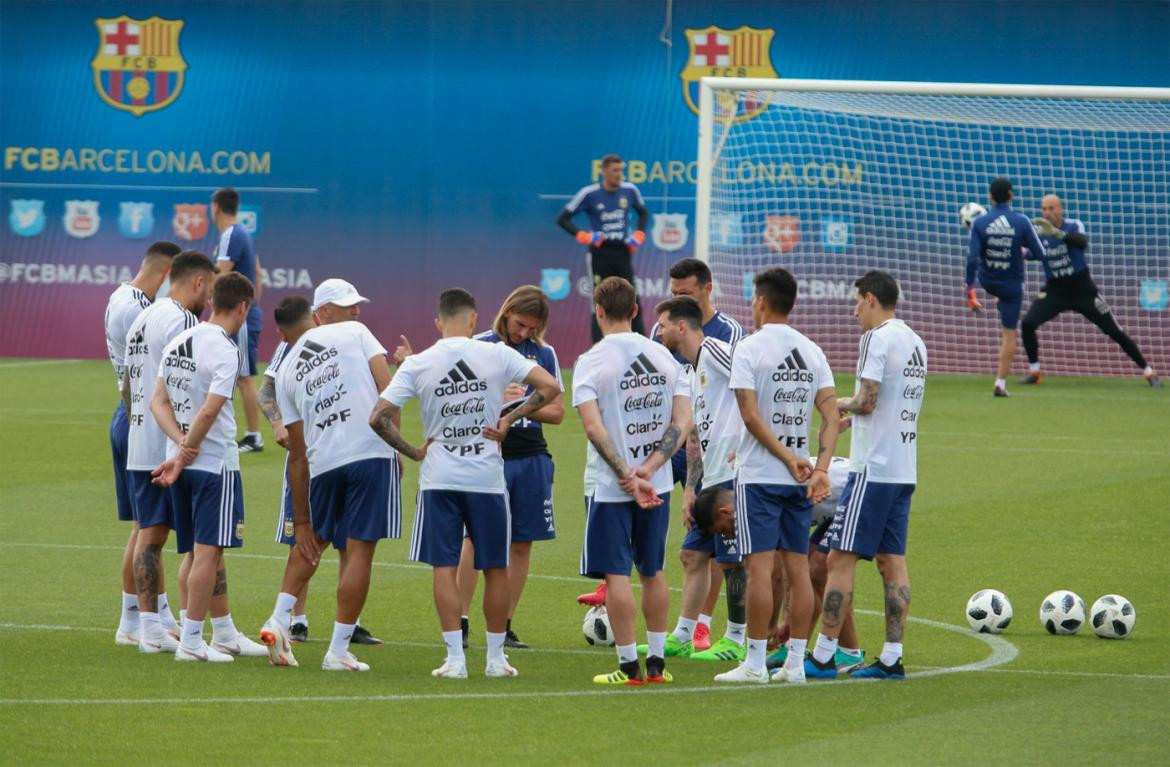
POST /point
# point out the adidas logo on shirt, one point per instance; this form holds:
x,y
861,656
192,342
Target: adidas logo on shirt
x,y
313,356
460,379
137,344
641,372
915,366
1000,226
792,369
181,357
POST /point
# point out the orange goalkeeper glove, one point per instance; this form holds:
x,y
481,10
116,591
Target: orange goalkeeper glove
x,y
590,239
972,301
635,240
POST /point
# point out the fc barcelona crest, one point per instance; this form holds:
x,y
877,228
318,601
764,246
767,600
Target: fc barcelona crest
x,y
717,52
138,66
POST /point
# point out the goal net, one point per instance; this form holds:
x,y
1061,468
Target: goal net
x,y
829,179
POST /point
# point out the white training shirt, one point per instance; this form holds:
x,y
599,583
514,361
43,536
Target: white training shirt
x,y
325,382
838,475
125,304
200,362
786,370
460,384
885,443
149,333
634,381
716,411
274,361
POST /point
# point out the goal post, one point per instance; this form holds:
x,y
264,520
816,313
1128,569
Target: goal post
x,y
830,178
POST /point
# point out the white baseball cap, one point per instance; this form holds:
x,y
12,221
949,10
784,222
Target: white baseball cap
x,y
336,292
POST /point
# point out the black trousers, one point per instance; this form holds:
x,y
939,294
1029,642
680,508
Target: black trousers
x,y
1079,294
612,262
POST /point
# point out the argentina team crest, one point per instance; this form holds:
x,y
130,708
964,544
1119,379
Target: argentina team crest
x,y
138,66
717,52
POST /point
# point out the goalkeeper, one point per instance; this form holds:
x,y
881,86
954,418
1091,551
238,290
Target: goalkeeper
x,y
609,239
1068,287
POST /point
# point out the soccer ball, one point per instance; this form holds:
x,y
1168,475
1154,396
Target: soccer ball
x,y
989,611
969,212
1062,612
596,627
1113,617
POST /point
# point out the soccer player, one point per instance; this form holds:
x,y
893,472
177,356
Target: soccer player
x,y
710,455
345,481
528,465
998,238
460,384
125,303
611,243
235,253
1068,287
872,517
192,274
778,375
634,402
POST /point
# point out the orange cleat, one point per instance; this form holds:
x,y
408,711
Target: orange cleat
x,y
701,639
595,598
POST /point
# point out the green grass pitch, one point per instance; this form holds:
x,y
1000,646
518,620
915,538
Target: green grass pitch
x,y
1063,486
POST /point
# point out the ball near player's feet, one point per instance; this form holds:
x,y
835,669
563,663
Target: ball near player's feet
x,y
989,611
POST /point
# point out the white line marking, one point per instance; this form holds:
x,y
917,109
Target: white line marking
x,y
1087,674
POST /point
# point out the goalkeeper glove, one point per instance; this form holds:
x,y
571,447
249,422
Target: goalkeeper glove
x,y
591,239
1045,228
635,240
972,301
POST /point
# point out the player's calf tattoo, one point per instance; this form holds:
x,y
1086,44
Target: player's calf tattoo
x,y
220,587
146,576
897,606
831,612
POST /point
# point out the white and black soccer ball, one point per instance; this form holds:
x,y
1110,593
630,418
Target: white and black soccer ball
x,y
1062,612
596,627
969,212
1113,617
989,611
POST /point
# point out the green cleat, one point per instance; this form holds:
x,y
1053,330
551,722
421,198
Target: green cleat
x,y
778,656
724,649
846,662
673,649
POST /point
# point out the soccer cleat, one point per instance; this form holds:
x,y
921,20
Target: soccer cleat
x,y
362,636
778,656
126,638
742,673
277,639
298,632
724,649
347,662
879,670
240,645
500,667
1033,378
846,662
1001,391
628,674
656,672
790,675
451,670
250,444
814,669
702,637
673,648
157,642
1154,380
513,641
595,598
202,654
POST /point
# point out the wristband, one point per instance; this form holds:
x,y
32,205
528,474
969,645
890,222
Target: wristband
x,y
816,469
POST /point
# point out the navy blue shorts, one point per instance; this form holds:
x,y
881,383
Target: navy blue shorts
x,y
725,550
152,504
620,535
248,340
442,516
119,438
1011,300
359,500
872,517
209,509
530,497
284,523
771,517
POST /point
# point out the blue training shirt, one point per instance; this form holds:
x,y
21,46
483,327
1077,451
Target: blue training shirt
x,y
998,239
608,212
526,437
1061,259
235,245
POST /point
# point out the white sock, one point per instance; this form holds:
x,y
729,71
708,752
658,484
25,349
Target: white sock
x,y
182,616
282,613
192,634
891,653
1149,371
1002,384
149,623
130,620
300,620
627,653
757,653
1033,367
223,629
164,613
705,620
825,649
685,629
656,644
736,632
495,644
454,642
342,633
255,434
796,648
855,651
